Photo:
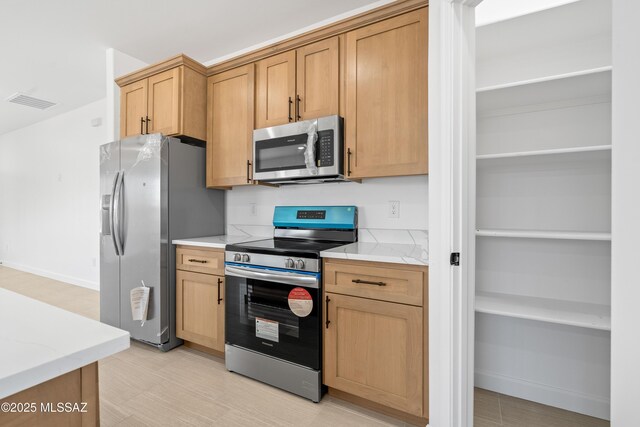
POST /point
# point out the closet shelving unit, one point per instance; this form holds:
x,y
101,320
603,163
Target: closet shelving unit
x,y
543,181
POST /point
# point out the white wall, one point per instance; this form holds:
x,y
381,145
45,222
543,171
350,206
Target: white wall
x,y
372,198
49,181
117,64
625,295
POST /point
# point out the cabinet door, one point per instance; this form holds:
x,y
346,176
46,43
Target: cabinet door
x,y
230,112
164,102
386,97
374,350
133,108
275,90
200,309
317,79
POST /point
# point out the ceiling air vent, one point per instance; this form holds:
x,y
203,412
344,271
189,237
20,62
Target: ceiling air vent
x,y
29,101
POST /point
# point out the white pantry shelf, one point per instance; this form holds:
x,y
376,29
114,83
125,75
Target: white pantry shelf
x,y
585,315
554,151
587,86
545,79
532,234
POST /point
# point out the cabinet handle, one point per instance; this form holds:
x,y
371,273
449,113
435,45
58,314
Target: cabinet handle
x,y
290,102
368,282
298,99
141,125
148,120
201,261
219,285
248,170
326,313
348,161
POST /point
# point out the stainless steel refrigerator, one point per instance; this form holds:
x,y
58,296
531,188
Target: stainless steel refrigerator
x,y
152,190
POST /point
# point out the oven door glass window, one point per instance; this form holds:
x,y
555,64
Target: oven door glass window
x,y
285,153
258,317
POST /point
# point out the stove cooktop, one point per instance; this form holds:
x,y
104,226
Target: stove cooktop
x,y
288,247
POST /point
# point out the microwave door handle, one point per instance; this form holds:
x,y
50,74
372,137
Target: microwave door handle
x,y
273,276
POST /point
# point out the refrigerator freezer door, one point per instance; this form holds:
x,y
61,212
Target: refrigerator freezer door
x,y
109,259
144,234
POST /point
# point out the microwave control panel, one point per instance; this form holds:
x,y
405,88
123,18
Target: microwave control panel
x,y
325,155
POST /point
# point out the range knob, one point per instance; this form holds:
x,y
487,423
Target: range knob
x,y
237,257
299,264
245,258
288,263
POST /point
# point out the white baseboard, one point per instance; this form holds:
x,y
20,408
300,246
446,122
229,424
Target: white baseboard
x,y
52,275
570,400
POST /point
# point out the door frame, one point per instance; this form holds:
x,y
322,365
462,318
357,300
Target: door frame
x,y
451,211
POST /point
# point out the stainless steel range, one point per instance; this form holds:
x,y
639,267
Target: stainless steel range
x,y
273,312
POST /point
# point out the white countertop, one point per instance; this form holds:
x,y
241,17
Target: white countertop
x,y
216,241
39,342
397,253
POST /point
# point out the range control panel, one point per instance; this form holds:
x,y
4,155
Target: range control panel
x,y
317,214
316,217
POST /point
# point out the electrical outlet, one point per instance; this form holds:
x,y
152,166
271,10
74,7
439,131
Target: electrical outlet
x,y
394,209
253,210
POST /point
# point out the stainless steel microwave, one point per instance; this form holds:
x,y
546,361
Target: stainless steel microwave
x,y
298,153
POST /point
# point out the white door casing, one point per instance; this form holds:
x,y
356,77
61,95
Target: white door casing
x,y
451,210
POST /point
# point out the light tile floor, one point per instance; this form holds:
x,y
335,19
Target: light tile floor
x,y
145,387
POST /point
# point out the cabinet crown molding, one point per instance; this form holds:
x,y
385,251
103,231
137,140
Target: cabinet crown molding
x,y
167,64
386,11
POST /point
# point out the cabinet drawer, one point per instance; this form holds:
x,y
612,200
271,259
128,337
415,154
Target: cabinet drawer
x,y
200,260
381,281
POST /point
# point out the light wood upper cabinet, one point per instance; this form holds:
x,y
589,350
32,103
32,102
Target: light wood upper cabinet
x,y
200,309
275,90
133,108
386,97
168,97
230,127
163,106
317,82
373,349
301,84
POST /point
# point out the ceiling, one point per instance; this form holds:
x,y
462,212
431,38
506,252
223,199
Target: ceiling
x,y
492,11
55,49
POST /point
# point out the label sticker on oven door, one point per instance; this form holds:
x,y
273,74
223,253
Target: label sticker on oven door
x,y
300,302
267,329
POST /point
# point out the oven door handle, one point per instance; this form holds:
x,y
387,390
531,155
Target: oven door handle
x,y
273,276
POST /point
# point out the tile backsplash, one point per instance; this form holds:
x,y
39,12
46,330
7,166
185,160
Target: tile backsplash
x,y
369,235
250,209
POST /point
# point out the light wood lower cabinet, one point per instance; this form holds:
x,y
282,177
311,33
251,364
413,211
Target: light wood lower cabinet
x,y
376,349
200,306
78,388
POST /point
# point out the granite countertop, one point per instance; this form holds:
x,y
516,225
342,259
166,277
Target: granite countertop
x,y
218,242
40,342
398,253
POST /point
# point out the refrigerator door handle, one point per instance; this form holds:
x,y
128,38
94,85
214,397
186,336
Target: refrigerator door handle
x,y
117,230
111,211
